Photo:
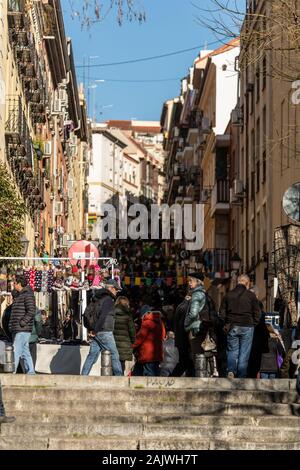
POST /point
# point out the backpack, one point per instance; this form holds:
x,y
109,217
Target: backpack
x,y
91,314
209,313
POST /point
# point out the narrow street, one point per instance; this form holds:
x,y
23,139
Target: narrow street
x,y
149,226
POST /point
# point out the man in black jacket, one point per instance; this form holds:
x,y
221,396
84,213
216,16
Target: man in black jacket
x,y
240,312
103,338
21,322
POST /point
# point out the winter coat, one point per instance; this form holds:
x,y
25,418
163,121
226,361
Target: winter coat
x,y
37,328
181,336
149,340
192,322
124,332
269,359
23,312
70,330
106,313
240,307
171,358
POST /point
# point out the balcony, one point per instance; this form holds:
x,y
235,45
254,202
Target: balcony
x,y
220,198
217,261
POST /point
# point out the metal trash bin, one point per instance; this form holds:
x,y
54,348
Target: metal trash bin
x,y
201,366
106,364
7,358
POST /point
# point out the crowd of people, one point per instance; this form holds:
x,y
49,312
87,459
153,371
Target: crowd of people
x,y
197,341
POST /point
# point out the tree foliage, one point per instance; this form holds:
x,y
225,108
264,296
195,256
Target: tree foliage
x,y
270,30
12,213
96,11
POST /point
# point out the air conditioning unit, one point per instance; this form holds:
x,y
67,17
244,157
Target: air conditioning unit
x,y
201,140
234,199
205,195
237,117
57,107
63,95
70,189
66,238
73,139
238,188
181,143
59,208
176,132
205,125
48,148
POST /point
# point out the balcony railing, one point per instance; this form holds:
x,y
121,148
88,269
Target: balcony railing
x,y
220,196
216,260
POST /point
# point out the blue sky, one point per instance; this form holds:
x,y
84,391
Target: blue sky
x,y
171,25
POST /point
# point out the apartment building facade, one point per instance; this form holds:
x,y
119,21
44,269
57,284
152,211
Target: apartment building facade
x,y
266,129
45,126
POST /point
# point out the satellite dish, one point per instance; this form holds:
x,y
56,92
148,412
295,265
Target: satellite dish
x,y
291,202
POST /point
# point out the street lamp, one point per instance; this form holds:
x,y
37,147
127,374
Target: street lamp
x,y
235,263
25,245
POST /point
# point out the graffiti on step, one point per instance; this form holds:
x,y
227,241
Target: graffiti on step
x,y
160,382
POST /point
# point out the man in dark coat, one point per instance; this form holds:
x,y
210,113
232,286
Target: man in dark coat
x,y
21,323
240,312
185,364
124,331
103,338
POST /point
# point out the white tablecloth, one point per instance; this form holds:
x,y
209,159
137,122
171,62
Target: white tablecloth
x,y
63,360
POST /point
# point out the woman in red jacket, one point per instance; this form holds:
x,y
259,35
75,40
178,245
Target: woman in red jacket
x,y
148,346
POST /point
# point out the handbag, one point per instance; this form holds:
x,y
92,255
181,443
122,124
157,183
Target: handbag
x,y
209,343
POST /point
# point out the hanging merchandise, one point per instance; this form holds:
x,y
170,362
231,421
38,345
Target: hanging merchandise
x,y
44,286
32,273
38,281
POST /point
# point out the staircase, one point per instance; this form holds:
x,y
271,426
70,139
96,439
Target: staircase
x,y
120,413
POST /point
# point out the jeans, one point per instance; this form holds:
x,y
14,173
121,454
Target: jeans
x,y
150,369
2,410
264,375
21,351
104,341
239,343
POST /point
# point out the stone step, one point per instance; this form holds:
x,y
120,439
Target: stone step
x,y
162,396
144,382
110,407
56,418
154,431
79,443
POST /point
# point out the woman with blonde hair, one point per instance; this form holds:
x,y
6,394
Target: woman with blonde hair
x,y
124,330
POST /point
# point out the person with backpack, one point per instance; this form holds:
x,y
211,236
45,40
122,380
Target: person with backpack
x,y
99,319
240,313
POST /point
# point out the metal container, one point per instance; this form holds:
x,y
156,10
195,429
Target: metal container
x,y
9,366
106,364
200,366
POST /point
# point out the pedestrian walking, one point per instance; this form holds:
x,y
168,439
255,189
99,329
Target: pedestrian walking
x,y
185,363
240,313
101,331
21,322
148,346
124,331
271,361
